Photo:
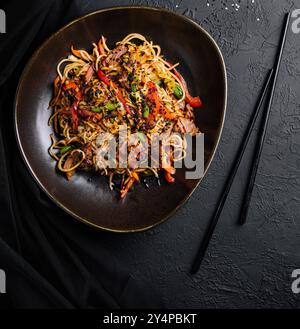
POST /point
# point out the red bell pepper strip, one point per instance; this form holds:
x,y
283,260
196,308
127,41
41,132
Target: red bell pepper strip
x,y
119,94
74,108
193,101
77,53
123,101
100,46
70,85
170,170
169,178
103,78
170,115
78,95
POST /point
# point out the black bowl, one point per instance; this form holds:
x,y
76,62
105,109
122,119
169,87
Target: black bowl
x,y
87,196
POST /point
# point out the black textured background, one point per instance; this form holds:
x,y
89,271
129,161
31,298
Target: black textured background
x,y
247,266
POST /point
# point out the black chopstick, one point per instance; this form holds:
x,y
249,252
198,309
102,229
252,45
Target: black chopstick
x,y
209,232
263,129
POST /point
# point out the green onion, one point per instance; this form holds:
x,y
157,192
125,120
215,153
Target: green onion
x,y
133,87
97,109
111,106
65,149
177,91
146,111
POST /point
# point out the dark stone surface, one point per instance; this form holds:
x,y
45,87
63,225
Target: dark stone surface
x,y
247,266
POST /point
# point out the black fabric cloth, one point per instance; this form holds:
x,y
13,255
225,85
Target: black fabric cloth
x,y
50,260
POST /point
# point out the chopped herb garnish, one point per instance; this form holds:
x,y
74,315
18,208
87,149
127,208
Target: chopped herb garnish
x,y
65,149
97,109
177,91
111,106
146,111
133,88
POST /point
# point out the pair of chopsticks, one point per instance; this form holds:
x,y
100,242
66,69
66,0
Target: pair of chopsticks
x,y
271,79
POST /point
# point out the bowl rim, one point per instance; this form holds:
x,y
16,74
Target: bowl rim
x,y
35,55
